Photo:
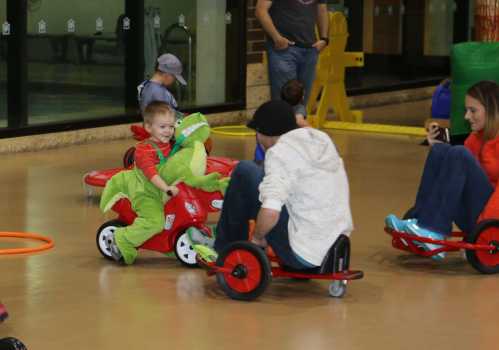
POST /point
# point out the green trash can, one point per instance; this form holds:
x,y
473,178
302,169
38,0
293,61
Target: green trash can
x,y
471,62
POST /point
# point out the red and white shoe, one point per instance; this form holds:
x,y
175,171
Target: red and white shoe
x,y
3,313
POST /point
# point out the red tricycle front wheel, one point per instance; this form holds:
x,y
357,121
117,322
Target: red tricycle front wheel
x,y
244,271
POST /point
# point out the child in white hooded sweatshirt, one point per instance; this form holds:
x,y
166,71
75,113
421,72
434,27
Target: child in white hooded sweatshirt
x,y
300,200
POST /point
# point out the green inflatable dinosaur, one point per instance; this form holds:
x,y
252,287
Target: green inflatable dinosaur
x,y
186,163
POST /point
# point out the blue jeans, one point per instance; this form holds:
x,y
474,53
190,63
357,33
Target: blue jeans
x,y
241,204
453,188
291,63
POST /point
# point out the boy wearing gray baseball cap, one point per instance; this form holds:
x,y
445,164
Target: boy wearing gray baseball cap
x,y
168,70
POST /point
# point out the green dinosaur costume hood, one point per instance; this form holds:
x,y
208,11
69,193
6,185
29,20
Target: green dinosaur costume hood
x,y
191,129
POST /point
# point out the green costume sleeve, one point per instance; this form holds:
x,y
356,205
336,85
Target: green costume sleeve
x,y
209,183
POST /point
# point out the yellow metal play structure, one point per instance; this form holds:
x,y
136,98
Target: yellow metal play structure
x,y
330,85
330,77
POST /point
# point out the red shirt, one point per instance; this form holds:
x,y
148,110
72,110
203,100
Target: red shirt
x,y
146,156
488,155
489,160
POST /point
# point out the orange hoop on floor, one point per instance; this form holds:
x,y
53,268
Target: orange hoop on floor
x,y
49,243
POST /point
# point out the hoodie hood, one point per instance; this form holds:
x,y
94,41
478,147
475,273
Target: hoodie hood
x,y
313,146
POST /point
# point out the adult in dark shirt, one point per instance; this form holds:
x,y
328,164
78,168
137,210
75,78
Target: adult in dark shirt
x,y
292,44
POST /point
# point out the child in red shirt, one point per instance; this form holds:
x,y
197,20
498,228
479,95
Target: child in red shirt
x,y
159,121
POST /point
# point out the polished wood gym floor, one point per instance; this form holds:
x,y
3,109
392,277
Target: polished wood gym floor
x,y
71,298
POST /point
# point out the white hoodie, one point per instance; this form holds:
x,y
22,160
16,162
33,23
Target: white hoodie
x,y
304,172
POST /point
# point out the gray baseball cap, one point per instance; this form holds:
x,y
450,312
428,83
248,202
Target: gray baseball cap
x,y
168,63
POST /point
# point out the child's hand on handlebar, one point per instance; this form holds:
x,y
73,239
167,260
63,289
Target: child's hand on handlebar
x,y
172,191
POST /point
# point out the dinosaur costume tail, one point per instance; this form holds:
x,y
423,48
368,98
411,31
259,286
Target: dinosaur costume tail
x,y
116,188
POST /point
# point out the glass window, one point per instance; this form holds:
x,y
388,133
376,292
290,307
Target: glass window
x,y
382,27
3,64
439,27
404,42
84,59
196,31
75,60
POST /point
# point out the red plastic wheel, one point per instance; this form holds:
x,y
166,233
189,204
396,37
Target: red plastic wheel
x,y
486,233
486,257
246,271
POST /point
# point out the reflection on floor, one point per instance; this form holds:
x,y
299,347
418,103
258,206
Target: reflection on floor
x,y
71,298
412,113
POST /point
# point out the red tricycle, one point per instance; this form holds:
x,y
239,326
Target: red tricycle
x,y
243,270
188,208
481,246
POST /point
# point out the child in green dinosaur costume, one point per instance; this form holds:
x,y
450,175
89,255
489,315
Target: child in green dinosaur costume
x,y
186,163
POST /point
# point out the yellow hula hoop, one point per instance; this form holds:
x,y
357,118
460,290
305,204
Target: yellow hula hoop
x,y
231,130
49,243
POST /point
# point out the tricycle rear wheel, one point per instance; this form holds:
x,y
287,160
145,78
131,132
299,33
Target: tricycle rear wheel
x,y
337,288
485,233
